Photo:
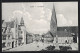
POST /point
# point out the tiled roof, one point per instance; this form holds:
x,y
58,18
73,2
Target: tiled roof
x,y
48,35
10,24
68,28
59,33
63,34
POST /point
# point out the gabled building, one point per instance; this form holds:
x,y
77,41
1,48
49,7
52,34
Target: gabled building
x,y
22,32
64,37
47,38
69,33
14,28
6,36
13,34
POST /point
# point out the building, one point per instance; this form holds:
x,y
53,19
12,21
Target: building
x,y
19,36
29,38
37,37
64,38
67,34
7,36
47,38
14,28
22,32
71,30
13,34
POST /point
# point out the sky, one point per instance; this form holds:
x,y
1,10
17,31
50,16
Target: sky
x,y
37,15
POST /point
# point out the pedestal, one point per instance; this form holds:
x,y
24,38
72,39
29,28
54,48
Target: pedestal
x,y
57,46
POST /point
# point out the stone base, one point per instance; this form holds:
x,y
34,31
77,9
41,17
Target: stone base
x,y
57,48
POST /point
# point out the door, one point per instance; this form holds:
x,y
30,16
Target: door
x,y
13,44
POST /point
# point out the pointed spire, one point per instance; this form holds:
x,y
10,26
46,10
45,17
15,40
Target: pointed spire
x,y
22,21
54,14
53,24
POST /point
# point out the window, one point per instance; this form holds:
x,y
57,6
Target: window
x,y
4,37
21,32
16,25
9,29
8,44
8,36
3,45
2,30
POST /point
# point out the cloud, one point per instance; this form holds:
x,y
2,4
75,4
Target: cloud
x,y
36,21
41,25
48,14
62,21
23,6
18,14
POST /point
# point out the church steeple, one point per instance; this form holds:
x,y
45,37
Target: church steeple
x,y
22,22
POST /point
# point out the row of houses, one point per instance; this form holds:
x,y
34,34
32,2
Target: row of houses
x,y
13,34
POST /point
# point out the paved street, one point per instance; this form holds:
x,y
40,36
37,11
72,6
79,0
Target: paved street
x,y
37,46
30,47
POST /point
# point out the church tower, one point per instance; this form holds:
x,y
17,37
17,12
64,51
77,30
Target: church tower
x,y
53,23
53,27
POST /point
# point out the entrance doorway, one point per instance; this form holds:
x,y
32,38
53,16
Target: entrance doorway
x,y
13,44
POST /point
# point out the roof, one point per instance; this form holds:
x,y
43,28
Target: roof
x,y
7,24
10,24
4,24
4,31
73,29
63,34
47,35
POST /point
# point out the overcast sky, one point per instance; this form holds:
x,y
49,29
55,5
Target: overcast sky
x,y
37,15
